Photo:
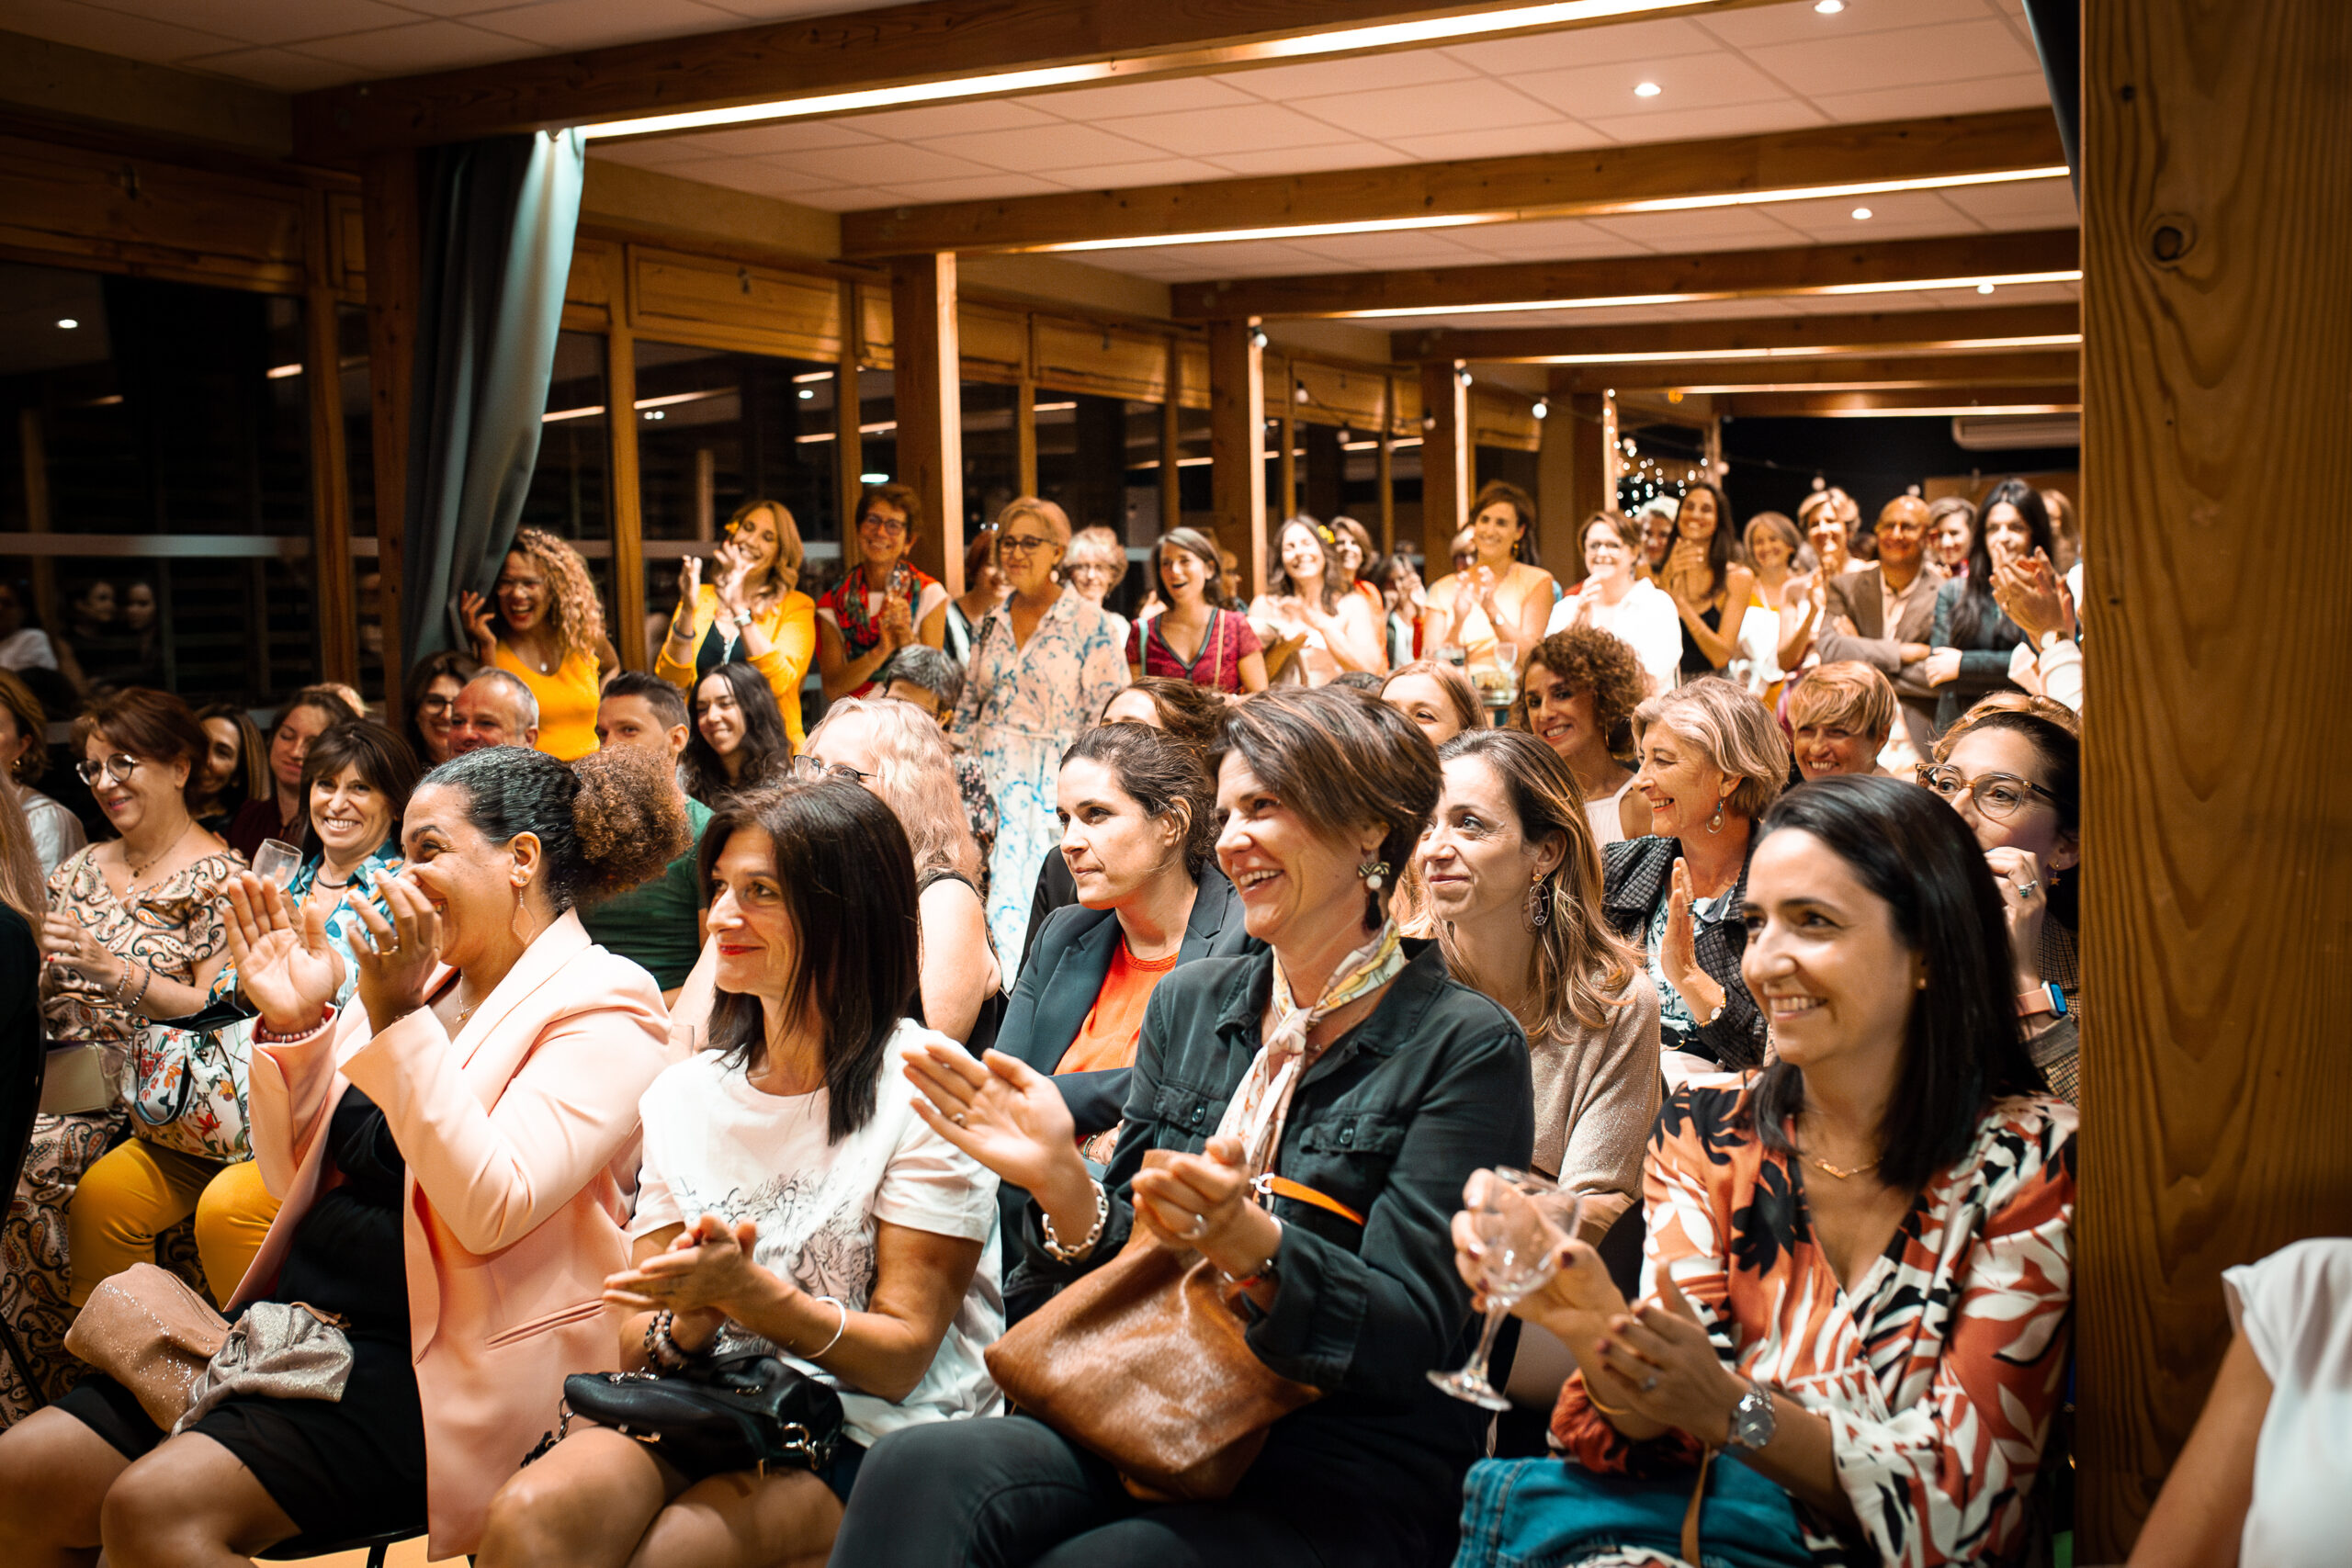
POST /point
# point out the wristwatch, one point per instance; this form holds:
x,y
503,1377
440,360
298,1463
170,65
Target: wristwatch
x,y
1752,1420
2044,997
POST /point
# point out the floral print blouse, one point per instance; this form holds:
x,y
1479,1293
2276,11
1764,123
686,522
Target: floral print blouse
x,y
172,928
1938,1371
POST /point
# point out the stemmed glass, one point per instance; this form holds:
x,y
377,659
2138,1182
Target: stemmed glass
x,y
276,861
1520,1220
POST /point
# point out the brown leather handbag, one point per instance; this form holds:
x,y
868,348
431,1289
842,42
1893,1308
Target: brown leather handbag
x,y
1143,1362
147,1329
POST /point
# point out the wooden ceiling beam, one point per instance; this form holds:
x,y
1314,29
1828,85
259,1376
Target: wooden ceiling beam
x,y
1752,337
1086,42
1595,180
1641,279
1914,402
1699,377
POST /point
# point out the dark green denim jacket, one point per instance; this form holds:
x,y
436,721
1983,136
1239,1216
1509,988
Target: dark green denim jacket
x,y
1390,1121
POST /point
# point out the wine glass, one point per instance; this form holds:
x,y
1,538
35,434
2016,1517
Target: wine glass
x,y
1521,1219
276,861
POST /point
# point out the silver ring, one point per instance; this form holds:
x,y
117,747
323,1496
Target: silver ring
x,y
957,1118
1198,1228
2025,889
1650,1383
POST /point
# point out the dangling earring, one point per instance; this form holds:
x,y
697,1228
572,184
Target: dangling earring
x,y
1716,823
1539,906
1374,873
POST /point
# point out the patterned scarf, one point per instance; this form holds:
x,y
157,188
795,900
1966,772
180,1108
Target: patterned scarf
x,y
858,629
1261,1102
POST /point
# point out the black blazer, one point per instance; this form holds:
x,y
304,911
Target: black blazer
x,y
1068,961
1637,875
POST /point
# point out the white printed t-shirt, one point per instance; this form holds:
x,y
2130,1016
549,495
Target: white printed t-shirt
x,y
714,1144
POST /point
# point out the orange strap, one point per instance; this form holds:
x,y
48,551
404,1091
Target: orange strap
x,y
1270,1184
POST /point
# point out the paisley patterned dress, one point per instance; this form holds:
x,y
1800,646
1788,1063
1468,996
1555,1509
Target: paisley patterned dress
x,y
1024,704
1939,1369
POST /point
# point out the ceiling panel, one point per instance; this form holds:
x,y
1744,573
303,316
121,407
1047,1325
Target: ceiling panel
x,y
1429,109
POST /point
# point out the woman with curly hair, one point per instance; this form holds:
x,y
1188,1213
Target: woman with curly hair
x,y
1578,697
544,626
752,610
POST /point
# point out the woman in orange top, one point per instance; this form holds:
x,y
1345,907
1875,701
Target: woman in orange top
x,y
544,624
750,610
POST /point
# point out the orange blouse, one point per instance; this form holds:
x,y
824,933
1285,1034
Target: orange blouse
x,y
1107,1039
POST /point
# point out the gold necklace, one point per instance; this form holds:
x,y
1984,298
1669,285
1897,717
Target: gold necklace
x,y
139,871
1841,1173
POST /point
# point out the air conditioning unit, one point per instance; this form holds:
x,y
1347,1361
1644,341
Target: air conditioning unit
x,y
2002,432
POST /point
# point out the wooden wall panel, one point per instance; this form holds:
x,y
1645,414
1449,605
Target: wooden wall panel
x,y
2217,150
719,303
1109,361
995,342
1500,416
76,206
1193,377
874,338
1341,394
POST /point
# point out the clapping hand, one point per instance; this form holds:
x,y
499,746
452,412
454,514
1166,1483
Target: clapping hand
x,y
898,621
1677,952
689,583
2031,593
285,964
479,614
397,959
1657,1363
706,1269
1187,1201
999,1109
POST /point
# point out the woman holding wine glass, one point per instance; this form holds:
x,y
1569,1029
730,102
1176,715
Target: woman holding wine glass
x,y
1333,1060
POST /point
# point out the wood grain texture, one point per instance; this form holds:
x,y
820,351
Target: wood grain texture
x,y
1238,446
2217,148
388,210
1883,331
1552,185
1919,401
848,456
809,56
1171,449
628,503
931,411
1720,275
332,586
1447,462
2003,367
88,205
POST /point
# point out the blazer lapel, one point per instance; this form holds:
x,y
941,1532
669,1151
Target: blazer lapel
x,y
1070,990
1212,908
556,946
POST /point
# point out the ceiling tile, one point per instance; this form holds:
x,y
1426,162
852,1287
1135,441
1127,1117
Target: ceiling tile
x,y
1980,97
1173,97
1369,72
267,21
1706,80
1951,51
846,198
1120,176
1430,110
420,46
117,32
279,70
1206,132
778,10
1585,46
652,152
754,140
1304,159
1552,136
767,176
1692,123
888,162
1707,229
567,25
1041,148
1408,248
2019,204
989,186
1762,26
953,119
1545,239
1889,209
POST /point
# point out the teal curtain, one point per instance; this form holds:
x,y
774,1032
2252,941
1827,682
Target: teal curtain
x,y
497,217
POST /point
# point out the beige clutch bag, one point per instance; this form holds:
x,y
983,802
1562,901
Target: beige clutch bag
x,y
150,1332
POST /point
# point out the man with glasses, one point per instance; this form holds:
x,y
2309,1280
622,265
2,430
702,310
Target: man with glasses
x,y
660,924
495,709
884,602
1881,616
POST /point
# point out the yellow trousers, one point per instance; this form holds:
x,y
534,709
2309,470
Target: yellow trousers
x,y
139,1189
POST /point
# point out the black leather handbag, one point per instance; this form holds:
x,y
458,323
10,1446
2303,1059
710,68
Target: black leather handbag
x,y
744,1411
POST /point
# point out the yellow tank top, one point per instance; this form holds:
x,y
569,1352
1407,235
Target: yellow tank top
x,y
567,702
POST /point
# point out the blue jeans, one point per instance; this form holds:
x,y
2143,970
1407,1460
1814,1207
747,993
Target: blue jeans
x,y
1548,1513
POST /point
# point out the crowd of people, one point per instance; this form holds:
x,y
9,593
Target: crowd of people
x,y
910,1070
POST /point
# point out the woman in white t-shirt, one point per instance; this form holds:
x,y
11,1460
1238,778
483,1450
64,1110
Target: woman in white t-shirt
x,y
1613,600
789,1198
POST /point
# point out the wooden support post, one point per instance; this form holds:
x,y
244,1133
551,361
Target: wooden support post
x,y
1238,444
1445,460
629,507
1286,461
1025,439
849,457
388,212
335,602
1171,448
1384,471
33,448
1712,439
1583,422
2217,342
1558,523
928,366
1613,453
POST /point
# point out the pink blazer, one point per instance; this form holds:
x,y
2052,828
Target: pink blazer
x,y
521,1137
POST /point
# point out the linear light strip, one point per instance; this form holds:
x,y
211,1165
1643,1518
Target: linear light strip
x,y
2053,340
1387,35
1596,302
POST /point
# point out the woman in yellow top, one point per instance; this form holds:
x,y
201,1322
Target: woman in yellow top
x,y
544,625
751,611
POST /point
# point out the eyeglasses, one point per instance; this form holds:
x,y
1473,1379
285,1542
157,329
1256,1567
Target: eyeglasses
x,y
1997,795
436,705
882,525
118,768
815,772
1091,569
1022,543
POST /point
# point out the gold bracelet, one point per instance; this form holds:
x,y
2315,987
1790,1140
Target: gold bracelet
x,y
1604,1409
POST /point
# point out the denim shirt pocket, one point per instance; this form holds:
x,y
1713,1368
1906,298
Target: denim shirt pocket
x,y
1346,1156
1188,1116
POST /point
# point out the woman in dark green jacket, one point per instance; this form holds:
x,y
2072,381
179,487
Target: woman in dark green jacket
x,y
1341,1059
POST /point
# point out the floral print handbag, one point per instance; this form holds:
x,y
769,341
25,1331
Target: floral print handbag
x,y
187,1082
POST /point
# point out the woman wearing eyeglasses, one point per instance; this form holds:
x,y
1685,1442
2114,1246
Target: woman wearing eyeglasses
x,y
134,931
883,602
434,683
2012,768
1044,663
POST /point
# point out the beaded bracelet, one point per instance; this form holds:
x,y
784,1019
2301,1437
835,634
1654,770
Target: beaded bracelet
x,y
1071,1254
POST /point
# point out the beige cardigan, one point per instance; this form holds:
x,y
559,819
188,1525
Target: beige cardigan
x,y
1596,1100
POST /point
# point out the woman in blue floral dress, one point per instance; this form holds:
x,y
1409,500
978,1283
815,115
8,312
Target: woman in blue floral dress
x,y
1043,662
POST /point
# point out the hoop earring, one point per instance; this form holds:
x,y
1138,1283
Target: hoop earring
x,y
1539,905
1716,823
1374,873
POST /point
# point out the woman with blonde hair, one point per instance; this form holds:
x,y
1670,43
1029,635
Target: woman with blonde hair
x,y
1044,662
1327,628
544,625
1437,697
1840,715
751,611
1777,556
1712,760
24,757
901,755
1494,608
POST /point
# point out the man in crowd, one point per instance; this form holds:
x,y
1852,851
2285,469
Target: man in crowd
x,y
495,709
1883,616
932,681
660,924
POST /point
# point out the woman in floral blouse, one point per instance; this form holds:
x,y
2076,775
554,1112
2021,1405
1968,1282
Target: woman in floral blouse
x,y
1861,1258
134,932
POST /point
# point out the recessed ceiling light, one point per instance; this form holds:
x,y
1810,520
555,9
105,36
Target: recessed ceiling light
x,y
1647,90
1860,213
68,322
806,393
1828,7
1984,288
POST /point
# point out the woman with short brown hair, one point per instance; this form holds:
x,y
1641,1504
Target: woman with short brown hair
x,y
1840,715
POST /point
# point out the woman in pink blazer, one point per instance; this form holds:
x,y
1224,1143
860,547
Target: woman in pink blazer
x,y
452,1153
